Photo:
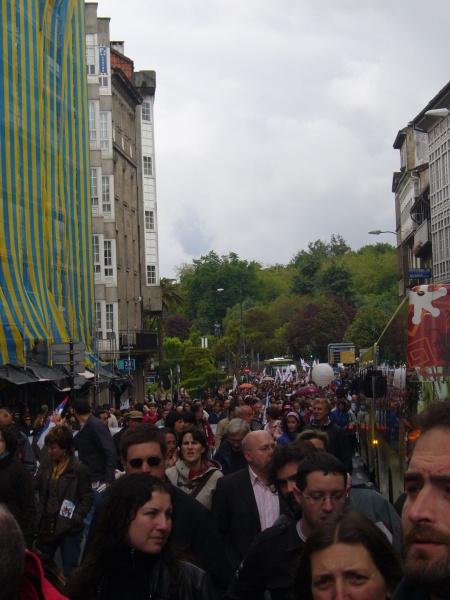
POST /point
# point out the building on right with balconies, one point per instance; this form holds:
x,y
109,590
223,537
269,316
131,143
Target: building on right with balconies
x,y
422,195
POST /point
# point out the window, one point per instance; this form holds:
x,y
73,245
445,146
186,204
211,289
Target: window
x,y
151,274
149,220
104,135
107,255
148,167
109,317
146,111
90,60
94,190
92,130
106,196
103,81
96,253
98,320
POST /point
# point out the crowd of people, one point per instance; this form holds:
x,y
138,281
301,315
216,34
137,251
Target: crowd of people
x,y
235,495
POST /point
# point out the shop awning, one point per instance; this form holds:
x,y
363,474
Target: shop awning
x,y
16,374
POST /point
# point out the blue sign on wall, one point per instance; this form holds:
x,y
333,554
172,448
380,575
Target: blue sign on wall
x,y
419,273
102,59
127,364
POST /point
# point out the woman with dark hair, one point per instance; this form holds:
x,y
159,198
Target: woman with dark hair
x,y
65,498
16,485
132,556
291,425
194,472
179,421
347,556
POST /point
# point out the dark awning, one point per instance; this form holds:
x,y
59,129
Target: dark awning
x,y
45,372
16,374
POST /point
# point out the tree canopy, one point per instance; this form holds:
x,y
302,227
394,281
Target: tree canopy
x,y
327,293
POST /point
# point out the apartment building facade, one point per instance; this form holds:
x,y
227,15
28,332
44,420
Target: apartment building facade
x,y
123,204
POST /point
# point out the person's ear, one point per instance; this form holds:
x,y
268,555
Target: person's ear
x,y
297,496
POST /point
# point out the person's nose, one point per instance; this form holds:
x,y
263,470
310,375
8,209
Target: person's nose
x,y
339,592
327,505
290,485
422,508
162,523
146,468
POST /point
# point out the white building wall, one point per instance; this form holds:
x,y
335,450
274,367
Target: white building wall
x,y
439,145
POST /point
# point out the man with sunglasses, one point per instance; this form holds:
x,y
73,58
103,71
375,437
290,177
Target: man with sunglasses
x,y
143,449
320,491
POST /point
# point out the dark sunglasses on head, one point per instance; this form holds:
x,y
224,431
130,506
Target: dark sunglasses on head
x,y
152,461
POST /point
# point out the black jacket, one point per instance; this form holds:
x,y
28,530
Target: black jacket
x,y
229,460
133,575
408,590
236,512
96,450
268,565
17,493
74,486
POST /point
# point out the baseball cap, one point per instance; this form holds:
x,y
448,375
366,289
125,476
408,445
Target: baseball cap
x,y
135,414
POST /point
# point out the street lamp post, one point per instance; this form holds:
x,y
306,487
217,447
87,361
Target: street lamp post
x,y
378,232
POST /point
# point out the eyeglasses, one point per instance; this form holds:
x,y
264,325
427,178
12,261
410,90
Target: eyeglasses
x,y
320,498
152,461
235,442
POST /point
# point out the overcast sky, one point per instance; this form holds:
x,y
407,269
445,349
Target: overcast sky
x,y
275,119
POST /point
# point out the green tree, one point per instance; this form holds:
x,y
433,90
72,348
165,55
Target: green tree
x,y
236,278
374,270
315,326
308,266
172,296
367,326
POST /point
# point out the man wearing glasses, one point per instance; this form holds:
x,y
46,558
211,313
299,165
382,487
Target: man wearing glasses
x,y
320,491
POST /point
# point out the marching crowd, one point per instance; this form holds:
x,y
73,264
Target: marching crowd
x,y
242,494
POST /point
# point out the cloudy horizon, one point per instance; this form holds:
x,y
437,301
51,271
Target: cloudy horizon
x,y
275,119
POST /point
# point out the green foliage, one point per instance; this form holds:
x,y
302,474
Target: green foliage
x,y
320,269
236,278
196,361
315,326
194,336
199,370
276,300
172,295
374,269
367,326
174,348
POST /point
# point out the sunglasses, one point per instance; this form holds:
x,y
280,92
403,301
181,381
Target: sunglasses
x,y
152,461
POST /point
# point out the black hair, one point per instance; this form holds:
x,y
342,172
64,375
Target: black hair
x,y
10,437
319,461
141,434
197,435
285,454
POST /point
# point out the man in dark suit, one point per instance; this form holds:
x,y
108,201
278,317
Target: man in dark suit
x,y
243,503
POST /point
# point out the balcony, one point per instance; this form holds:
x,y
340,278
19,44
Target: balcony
x,y
137,342
422,242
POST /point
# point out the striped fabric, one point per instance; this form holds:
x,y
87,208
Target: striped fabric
x,y
46,264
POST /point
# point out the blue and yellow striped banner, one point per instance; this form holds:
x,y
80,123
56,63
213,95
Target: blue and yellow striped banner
x,y
46,263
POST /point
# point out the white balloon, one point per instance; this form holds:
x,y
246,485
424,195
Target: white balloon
x,y
322,374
